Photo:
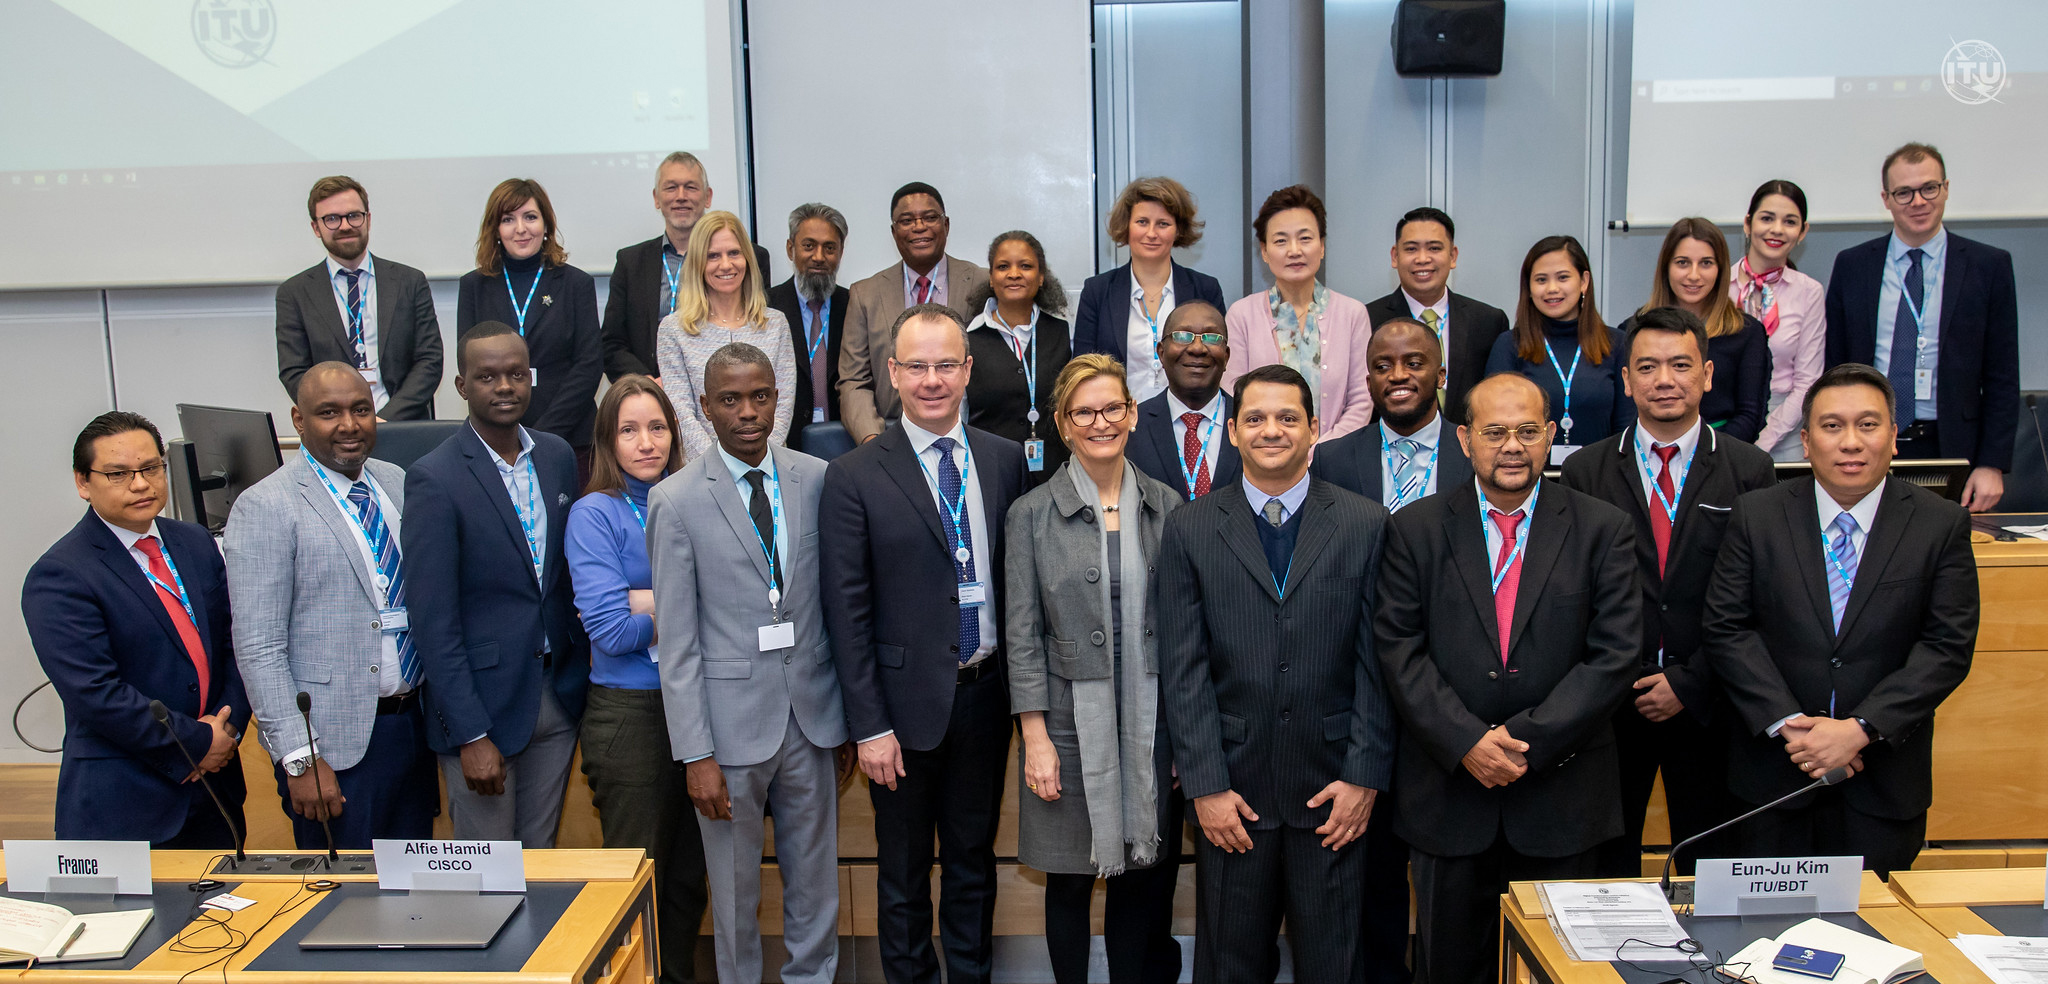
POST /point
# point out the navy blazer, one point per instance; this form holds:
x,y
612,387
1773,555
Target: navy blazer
x,y
562,345
109,648
1102,319
1977,382
1156,451
890,600
480,621
1353,462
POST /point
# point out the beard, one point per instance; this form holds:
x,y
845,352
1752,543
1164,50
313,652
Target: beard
x,y
816,287
349,250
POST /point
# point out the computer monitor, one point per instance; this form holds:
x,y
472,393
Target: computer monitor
x,y
235,448
1944,477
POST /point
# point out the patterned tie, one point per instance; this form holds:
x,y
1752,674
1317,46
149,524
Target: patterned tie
x,y
1433,320
1408,478
355,316
1191,456
188,633
815,341
764,521
951,490
1660,521
1504,596
924,290
1841,569
386,550
1905,338
1273,509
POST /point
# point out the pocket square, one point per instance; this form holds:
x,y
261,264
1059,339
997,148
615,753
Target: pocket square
x,y
1714,508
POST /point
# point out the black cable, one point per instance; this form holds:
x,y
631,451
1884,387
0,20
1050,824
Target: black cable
x,y
17,720
1714,969
236,940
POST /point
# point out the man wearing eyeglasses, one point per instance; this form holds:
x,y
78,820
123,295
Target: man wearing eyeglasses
x,y
1508,624
1938,314
374,314
1180,438
868,398
126,610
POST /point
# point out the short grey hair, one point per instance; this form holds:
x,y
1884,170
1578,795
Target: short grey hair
x,y
816,210
732,356
686,159
927,311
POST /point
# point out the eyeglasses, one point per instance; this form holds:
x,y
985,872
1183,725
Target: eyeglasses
x,y
909,221
354,219
1930,191
1085,416
1526,435
1188,337
123,476
918,370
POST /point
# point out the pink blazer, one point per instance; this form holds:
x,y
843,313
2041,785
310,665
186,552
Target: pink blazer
x,y
1345,404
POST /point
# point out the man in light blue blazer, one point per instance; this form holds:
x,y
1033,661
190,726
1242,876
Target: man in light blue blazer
x,y
314,564
747,679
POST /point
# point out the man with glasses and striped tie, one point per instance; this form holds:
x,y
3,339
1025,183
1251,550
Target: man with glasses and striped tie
x,y
314,563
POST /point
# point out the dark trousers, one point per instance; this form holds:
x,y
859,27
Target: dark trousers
x,y
1289,874
1457,907
956,792
205,829
1384,935
1694,761
1137,917
1823,823
392,792
642,802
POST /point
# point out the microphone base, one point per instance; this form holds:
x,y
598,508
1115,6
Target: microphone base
x,y
297,863
1681,892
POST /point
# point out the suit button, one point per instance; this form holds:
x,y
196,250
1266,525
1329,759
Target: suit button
x,y
1148,633
193,687
1092,575
1095,637
374,625
1286,716
373,667
1663,608
1836,662
1283,667
955,648
955,599
785,661
1493,674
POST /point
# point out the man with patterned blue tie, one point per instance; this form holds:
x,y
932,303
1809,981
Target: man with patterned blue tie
x,y
314,563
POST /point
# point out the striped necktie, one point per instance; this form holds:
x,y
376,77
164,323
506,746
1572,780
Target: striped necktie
x,y
392,568
1841,566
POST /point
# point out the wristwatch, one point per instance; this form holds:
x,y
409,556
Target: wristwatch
x,y
1869,731
297,767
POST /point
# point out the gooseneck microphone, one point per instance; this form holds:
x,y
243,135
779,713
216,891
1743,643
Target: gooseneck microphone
x,y
306,715
1832,777
163,717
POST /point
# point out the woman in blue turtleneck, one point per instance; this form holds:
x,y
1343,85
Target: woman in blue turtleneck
x,y
1560,342
523,278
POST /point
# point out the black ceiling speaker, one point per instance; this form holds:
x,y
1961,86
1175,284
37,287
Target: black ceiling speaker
x,y
1449,37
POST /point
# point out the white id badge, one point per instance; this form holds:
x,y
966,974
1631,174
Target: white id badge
x,y
1034,455
369,376
817,415
1923,384
973,594
1559,452
393,620
781,635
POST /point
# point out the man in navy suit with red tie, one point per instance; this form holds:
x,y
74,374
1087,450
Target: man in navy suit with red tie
x,y
126,610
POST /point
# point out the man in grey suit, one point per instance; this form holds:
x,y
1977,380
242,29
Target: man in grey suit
x,y
917,219
314,566
373,314
747,680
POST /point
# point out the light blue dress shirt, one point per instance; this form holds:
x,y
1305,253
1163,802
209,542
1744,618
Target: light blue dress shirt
x,y
1932,266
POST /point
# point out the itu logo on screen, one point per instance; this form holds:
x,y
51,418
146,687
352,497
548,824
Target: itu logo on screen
x,y
1974,72
235,33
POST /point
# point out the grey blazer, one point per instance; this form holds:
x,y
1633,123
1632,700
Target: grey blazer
x,y
867,400
310,331
723,696
306,610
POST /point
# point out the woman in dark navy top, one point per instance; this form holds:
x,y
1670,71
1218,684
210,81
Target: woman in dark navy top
x,y
1560,342
1693,274
1123,312
1019,345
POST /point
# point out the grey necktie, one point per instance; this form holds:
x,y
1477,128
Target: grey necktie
x,y
1272,511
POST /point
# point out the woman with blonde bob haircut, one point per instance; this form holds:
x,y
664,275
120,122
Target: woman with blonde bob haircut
x,y
1099,797
720,300
1123,312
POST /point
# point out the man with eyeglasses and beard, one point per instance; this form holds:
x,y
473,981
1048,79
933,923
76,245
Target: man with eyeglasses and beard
x,y
814,304
1509,621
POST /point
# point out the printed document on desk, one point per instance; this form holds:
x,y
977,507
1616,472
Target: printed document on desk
x,y
2008,959
1613,921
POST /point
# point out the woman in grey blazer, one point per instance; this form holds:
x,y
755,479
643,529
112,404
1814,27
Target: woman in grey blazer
x,y
1100,799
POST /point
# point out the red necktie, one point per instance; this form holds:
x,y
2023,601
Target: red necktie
x,y
1660,521
1504,596
923,293
1191,452
186,630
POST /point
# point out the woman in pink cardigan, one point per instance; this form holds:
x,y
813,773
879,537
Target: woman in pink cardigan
x,y
1300,323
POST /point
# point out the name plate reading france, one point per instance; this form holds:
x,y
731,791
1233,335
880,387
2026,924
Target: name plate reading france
x,y
1732,886
32,863
500,866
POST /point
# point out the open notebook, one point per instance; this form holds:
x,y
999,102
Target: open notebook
x,y
1866,959
37,930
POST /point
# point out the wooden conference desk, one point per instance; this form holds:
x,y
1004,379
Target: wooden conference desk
x,y
601,904
1991,902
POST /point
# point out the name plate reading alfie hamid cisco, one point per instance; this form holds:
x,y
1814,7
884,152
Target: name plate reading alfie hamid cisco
x,y
1739,886
495,866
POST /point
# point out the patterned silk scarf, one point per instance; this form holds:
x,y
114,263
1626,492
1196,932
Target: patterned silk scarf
x,y
1757,294
1300,340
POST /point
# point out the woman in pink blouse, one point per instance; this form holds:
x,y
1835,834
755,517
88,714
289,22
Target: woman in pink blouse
x,y
1791,305
1300,323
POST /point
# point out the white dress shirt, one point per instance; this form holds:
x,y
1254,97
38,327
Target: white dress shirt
x,y
978,525
366,288
1681,463
938,277
1211,433
1290,500
1442,307
1429,435
1144,374
1932,266
390,680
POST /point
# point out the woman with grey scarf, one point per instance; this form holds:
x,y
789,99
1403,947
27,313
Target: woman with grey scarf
x,y
1099,797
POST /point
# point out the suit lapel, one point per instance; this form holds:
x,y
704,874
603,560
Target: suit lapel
x,y
734,509
1243,538
1367,461
1894,517
1954,268
556,501
899,460
327,310
1159,430
1803,520
122,563
1468,553
1863,347
653,276
1316,532
322,504
483,465
387,313
1706,465
1546,544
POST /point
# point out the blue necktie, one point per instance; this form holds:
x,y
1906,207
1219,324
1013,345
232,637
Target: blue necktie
x,y
951,490
1906,338
355,316
1408,478
1845,556
386,550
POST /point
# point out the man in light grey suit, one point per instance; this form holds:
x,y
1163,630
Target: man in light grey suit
x,y
747,679
314,567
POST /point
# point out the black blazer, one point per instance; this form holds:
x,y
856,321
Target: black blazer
x,y
783,297
891,602
479,618
1353,462
632,309
1103,314
1275,738
1156,451
1723,469
997,398
1977,382
310,331
1474,326
1571,659
1908,632
562,344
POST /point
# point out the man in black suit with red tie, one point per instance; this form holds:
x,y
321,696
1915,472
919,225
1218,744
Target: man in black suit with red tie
x,y
1192,351
1842,612
1509,621
1678,479
1424,253
814,304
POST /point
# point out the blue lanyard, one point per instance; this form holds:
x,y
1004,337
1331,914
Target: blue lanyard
x,y
348,509
815,328
519,310
774,485
1024,358
179,591
1829,549
527,517
637,514
355,311
1521,544
1151,317
1567,380
1280,583
955,511
1670,506
1188,474
673,276
1919,320
1401,494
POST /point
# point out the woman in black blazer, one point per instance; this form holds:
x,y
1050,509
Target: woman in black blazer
x,y
1692,273
523,278
1123,312
1019,345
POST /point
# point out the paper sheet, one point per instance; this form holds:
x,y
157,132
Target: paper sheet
x,y
1613,921
2008,959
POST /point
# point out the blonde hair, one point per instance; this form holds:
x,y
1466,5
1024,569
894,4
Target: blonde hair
x,y
1081,369
691,307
